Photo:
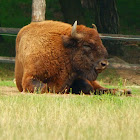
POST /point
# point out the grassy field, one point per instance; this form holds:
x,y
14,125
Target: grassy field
x,y
67,117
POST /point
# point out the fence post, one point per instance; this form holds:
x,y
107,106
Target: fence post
x,y
38,10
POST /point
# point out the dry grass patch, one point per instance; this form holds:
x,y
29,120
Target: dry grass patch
x,y
68,117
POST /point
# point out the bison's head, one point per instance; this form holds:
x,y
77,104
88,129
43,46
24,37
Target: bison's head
x,y
88,55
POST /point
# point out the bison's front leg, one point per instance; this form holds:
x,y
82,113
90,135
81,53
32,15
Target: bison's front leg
x,y
98,89
96,85
93,87
81,85
30,84
86,86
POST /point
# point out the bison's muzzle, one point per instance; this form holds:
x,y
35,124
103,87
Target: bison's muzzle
x,y
101,66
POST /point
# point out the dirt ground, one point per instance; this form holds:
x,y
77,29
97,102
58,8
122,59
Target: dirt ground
x,y
130,72
4,90
132,76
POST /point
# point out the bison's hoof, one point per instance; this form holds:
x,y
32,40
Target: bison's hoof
x,y
128,92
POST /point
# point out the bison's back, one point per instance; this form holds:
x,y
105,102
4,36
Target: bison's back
x,y
40,38
45,28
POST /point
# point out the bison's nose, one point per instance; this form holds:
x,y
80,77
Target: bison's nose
x,y
101,65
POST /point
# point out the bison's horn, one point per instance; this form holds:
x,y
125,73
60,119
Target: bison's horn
x,y
73,31
94,26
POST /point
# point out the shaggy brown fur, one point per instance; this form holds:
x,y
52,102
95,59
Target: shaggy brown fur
x,y
46,52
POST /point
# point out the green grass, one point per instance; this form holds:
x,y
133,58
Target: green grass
x,y
68,117
6,71
7,74
7,83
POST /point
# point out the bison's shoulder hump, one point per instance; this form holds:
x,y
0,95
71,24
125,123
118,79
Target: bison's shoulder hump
x,y
45,27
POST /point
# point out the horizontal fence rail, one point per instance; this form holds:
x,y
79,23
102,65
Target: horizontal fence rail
x,y
111,64
7,59
14,31
120,37
9,31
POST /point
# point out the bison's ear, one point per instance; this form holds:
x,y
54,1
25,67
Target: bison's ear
x,y
94,26
69,41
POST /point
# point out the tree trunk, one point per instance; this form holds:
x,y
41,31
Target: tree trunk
x,y
107,21
38,10
72,10
1,39
106,16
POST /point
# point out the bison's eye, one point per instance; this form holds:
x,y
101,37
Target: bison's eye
x,y
87,47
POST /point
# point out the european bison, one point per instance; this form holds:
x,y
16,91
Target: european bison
x,y
52,55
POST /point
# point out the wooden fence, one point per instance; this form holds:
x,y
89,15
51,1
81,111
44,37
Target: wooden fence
x,y
14,31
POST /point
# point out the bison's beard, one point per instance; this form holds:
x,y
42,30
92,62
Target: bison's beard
x,y
89,75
